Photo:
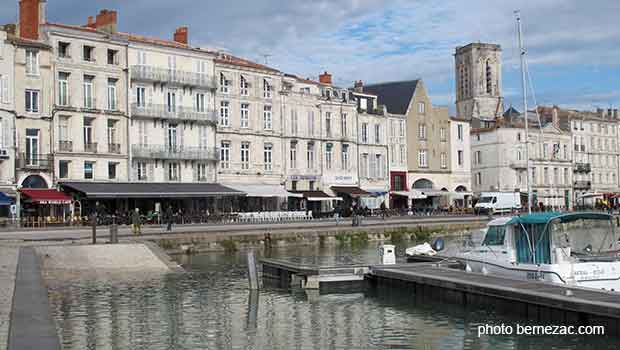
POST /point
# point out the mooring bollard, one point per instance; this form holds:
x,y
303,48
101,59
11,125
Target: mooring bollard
x,y
252,271
113,231
93,222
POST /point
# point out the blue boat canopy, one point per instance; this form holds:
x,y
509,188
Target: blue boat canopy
x,y
543,218
5,200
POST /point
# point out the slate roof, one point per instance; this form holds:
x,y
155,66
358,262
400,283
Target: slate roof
x,y
512,112
396,96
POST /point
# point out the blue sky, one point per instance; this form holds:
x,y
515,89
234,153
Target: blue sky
x,y
572,45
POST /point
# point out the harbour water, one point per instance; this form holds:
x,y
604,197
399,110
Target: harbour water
x,y
210,307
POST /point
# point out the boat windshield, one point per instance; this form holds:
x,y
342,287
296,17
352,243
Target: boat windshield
x,y
585,237
495,235
486,199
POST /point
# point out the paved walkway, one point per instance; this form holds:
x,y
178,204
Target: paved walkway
x,y
8,267
70,233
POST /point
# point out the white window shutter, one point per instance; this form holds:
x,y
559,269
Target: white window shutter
x,y
195,171
166,135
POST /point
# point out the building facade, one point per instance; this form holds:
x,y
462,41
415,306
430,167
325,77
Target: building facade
x,y
7,114
460,158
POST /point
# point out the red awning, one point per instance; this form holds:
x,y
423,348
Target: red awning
x,y
46,196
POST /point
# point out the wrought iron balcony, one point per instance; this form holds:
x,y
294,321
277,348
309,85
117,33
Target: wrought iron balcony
x,y
90,104
65,146
114,148
90,147
174,153
173,76
34,161
583,168
583,185
177,113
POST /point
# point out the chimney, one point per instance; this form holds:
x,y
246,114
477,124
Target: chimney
x,y
181,35
600,112
325,78
555,119
91,22
358,86
609,112
29,18
106,21
616,113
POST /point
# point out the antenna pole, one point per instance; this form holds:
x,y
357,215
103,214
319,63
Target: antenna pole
x,y
522,51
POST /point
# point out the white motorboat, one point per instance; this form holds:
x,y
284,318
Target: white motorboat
x,y
577,249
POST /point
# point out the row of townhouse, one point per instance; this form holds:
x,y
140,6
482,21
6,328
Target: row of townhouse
x,y
91,105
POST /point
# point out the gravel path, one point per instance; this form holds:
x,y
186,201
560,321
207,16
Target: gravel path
x,y
8,268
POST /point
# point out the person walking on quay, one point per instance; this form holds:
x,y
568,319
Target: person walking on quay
x,y
169,217
383,213
136,222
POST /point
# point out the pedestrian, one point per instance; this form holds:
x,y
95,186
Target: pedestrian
x,y
383,213
136,222
169,217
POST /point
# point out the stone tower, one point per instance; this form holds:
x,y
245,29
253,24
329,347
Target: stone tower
x,y
478,69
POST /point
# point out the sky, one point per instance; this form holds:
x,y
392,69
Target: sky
x,y
572,45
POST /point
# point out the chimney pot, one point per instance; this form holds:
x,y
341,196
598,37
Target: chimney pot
x,y
106,21
181,35
325,78
358,86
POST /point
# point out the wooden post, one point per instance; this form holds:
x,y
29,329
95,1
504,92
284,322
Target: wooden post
x,y
93,222
252,272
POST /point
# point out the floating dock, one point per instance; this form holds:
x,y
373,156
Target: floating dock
x,y
533,300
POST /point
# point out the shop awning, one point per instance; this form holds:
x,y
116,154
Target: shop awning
x,y
46,196
317,196
110,190
265,191
352,191
432,193
591,195
5,200
413,194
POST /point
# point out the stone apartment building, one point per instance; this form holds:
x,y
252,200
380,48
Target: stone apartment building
x,y
7,114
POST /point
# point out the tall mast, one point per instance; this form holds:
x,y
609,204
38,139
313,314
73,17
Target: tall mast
x,y
527,140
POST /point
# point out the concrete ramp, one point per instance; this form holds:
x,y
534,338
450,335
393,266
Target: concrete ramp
x,y
104,258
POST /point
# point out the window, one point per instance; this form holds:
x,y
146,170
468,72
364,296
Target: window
x,y
4,89
495,235
113,146
32,101
310,155
268,156
267,88
112,170
328,155
174,172
363,104
32,62
112,99
489,77
422,158
545,176
343,124
201,172
364,165
141,58
422,131
89,100
459,132
245,155
421,107
379,166
267,118
224,113
293,155
88,53
377,134
345,157
364,132
63,129
556,176
172,137
63,89
245,115
171,101
328,124
63,169
203,137
443,160
32,147
88,134
200,102
63,50
112,57
401,128
89,170
225,154
310,123
392,155
459,157
142,132
403,151
442,134
478,157
244,86
141,171
565,152
224,84
140,96
293,122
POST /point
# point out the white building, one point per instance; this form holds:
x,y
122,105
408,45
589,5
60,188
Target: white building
x,y
460,158
7,114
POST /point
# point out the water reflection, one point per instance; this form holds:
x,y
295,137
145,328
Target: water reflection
x,y
210,307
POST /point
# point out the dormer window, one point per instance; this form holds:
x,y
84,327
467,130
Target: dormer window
x,y
267,88
63,50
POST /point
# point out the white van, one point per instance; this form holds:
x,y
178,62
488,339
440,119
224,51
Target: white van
x,y
498,202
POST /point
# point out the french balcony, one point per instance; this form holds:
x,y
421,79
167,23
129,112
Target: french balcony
x,y
174,153
178,113
114,148
173,77
90,147
583,168
90,104
64,102
65,146
582,185
34,161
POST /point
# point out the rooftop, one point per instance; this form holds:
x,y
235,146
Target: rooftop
x,y
396,96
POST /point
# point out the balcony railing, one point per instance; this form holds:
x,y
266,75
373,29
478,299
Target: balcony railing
x,y
583,168
90,104
175,153
90,147
173,76
34,161
114,148
179,113
518,164
65,146
64,100
585,185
